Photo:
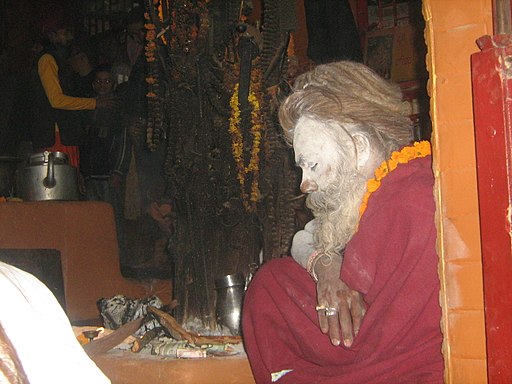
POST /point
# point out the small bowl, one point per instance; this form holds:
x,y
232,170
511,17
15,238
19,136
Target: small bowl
x,y
91,334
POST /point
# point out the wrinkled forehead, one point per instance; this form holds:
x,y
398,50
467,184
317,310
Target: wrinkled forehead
x,y
311,141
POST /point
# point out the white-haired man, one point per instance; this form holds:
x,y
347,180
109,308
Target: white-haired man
x,y
364,270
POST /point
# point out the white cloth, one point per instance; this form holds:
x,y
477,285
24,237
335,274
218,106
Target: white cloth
x,y
303,244
41,333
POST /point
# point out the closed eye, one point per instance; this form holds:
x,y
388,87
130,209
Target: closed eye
x,y
314,166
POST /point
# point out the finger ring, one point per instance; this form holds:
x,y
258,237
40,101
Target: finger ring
x,y
330,311
321,308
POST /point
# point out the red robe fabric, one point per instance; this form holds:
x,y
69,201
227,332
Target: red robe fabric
x,y
392,261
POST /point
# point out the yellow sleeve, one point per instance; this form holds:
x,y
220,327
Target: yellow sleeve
x,y
48,73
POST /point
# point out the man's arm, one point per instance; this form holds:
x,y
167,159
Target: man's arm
x,y
339,307
48,73
333,295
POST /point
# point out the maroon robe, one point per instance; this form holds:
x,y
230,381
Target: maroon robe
x,y
393,262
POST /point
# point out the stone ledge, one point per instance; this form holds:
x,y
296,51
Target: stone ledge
x,y
126,367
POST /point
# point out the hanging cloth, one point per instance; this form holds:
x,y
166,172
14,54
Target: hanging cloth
x,y
332,31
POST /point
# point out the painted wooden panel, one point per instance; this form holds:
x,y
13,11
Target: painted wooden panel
x,y
452,27
492,91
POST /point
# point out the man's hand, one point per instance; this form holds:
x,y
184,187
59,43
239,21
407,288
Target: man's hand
x,y
332,293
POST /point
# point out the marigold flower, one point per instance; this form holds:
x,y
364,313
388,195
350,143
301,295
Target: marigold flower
x,y
392,163
237,146
362,208
372,185
417,150
150,46
381,171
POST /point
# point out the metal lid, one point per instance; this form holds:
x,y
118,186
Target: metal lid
x,y
42,158
233,280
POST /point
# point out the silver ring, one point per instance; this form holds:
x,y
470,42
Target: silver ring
x,y
321,308
330,311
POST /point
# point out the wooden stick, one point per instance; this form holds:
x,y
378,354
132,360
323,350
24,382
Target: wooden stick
x,y
170,323
201,340
141,342
108,342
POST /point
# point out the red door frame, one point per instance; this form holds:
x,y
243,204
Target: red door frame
x,y
492,103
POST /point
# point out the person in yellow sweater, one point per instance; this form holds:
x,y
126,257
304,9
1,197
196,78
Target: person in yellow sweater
x,y
55,123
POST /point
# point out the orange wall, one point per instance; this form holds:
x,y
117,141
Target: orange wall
x,y
88,248
451,30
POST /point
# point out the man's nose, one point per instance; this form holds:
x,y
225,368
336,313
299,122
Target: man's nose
x,y
308,186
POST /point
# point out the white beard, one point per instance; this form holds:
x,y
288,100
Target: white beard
x,y
337,210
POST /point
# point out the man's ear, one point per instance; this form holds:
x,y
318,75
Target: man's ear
x,y
362,148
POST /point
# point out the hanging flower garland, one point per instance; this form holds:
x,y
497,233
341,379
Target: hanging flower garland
x,y
411,152
152,128
150,49
189,26
249,200
149,52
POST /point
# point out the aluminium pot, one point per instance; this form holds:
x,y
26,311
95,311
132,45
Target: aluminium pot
x,y
49,176
230,292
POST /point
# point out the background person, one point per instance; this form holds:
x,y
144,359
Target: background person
x,y
105,156
54,122
83,60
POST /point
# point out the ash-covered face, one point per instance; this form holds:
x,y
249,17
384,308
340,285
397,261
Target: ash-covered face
x,y
317,154
331,178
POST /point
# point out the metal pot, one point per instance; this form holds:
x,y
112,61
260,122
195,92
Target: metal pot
x,y
48,176
230,292
8,166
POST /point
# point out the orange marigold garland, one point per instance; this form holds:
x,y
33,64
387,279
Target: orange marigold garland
x,y
151,81
249,200
411,152
154,128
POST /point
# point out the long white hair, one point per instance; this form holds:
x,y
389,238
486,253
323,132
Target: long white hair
x,y
349,93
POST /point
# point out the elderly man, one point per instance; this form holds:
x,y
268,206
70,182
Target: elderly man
x,y
364,270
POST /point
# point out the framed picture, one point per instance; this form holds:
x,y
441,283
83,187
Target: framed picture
x,y
379,52
394,53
